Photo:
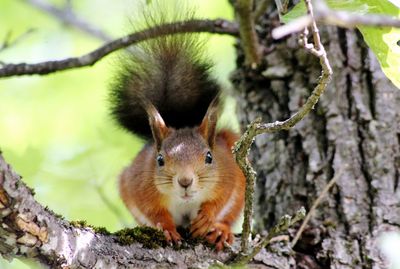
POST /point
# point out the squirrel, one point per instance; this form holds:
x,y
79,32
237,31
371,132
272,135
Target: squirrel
x,y
185,175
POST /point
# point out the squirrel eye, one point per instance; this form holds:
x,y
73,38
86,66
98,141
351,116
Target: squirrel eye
x,y
208,157
160,160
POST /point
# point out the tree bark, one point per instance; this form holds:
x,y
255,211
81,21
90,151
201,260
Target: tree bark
x,y
29,230
356,123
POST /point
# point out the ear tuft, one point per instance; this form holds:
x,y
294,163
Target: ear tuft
x,y
208,126
158,128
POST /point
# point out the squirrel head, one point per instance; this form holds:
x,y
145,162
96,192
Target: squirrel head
x,y
185,167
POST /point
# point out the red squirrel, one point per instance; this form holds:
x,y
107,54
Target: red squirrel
x,y
186,174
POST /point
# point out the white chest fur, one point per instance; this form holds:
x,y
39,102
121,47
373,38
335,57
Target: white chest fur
x,y
184,211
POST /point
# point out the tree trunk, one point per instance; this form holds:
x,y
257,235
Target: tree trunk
x,y
356,123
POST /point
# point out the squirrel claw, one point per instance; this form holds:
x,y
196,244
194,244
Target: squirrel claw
x,y
171,235
201,226
220,236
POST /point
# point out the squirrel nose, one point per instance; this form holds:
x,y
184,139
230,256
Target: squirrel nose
x,y
185,182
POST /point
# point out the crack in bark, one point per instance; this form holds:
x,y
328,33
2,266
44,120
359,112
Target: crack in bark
x,y
396,179
304,159
340,213
397,166
343,43
396,172
321,132
367,175
368,80
349,97
364,261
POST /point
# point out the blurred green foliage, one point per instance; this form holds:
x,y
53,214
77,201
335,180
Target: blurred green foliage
x,y
55,130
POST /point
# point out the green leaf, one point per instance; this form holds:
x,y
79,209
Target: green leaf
x,y
356,6
382,40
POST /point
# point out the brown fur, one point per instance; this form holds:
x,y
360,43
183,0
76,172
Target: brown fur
x,y
186,174
219,186
173,74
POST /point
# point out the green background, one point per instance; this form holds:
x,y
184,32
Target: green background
x,y
55,130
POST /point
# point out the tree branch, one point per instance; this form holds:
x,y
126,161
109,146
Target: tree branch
x,y
248,35
242,147
283,225
325,15
27,229
218,26
241,151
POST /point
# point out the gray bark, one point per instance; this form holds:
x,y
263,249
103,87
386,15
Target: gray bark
x,y
29,230
356,123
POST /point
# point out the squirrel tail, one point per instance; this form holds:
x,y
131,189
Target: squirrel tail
x,y
169,71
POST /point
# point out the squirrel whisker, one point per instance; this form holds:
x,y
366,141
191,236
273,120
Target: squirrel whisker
x,y
165,93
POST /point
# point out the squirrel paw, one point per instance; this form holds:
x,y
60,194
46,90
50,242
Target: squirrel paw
x,y
201,225
170,233
219,235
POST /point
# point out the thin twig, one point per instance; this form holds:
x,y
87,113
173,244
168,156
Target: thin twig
x,y
315,204
7,43
325,15
283,225
292,27
248,35
242,147
319,51
67,16
241,151
350,19
218,26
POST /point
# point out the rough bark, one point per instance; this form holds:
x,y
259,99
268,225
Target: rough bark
x,y
356,123
30,230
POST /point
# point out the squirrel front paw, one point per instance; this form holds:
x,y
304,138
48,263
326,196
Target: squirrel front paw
x,y
214,233
170,233
201,225
219,234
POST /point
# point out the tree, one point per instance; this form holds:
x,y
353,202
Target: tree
x,y
352,132
354,124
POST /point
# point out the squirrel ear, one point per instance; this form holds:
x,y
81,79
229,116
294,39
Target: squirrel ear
x,y
208,126
157,124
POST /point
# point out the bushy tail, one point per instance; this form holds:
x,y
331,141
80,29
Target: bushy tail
x,y
169,71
